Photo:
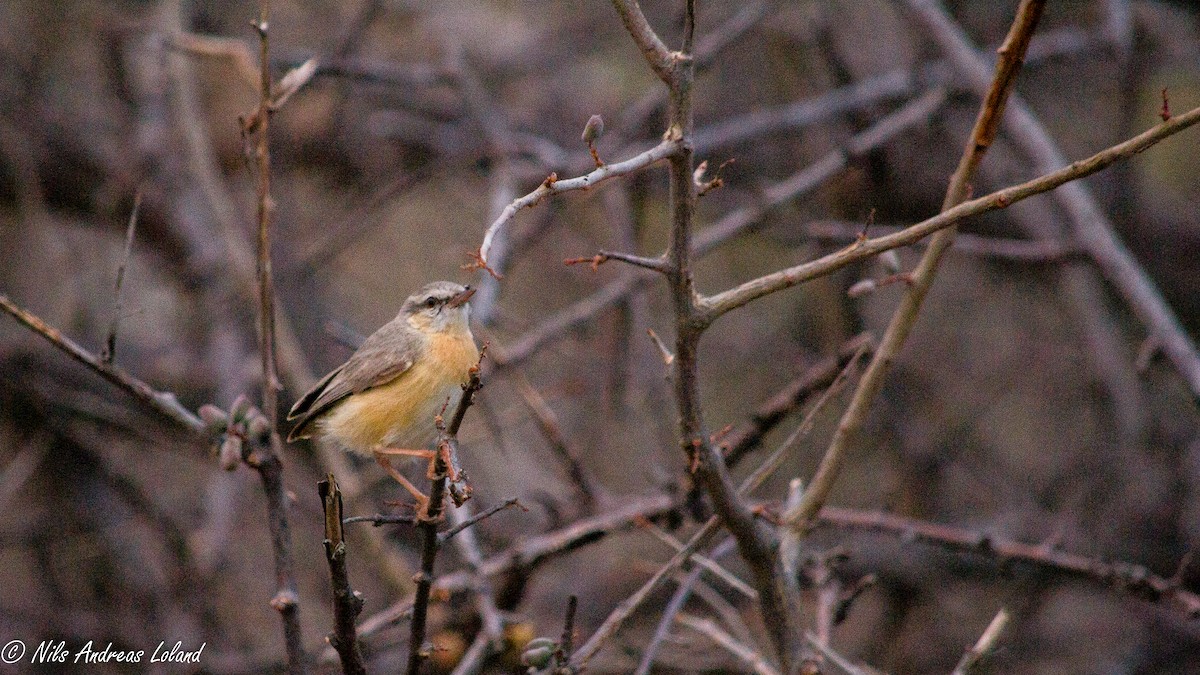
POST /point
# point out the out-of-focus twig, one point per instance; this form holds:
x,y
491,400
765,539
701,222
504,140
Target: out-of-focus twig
x,y
718,635
821,375
977,653
674,607
109,353
1133,579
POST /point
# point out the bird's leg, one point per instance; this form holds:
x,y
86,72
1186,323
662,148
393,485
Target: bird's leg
x,y
383,458
427,455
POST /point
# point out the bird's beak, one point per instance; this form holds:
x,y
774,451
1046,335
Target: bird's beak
x,y
461,298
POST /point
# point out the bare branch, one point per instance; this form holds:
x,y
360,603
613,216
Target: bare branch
x,y
553,186
1133,579
1088,223
716,305
1012,55
164,403
442,468
270,465
657,55
347,604
484,515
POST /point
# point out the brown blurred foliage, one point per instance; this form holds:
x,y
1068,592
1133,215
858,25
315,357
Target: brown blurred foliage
x,y
388,168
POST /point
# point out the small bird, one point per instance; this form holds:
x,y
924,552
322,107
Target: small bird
x,y
382,401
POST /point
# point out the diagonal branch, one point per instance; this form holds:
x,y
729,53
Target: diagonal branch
x,y
657,55
164,403
719,304
1012,54
1087,223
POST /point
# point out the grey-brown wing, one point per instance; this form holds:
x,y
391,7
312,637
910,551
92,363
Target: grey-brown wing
x,y
383,357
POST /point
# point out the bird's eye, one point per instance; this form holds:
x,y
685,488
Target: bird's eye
x,y
431,302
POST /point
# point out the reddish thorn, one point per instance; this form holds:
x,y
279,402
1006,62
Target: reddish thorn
x,y
596,261
720,434
478,263
1165,113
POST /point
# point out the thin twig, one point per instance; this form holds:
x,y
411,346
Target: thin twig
x,y
109,353
382,519
269,464
459,527
553,186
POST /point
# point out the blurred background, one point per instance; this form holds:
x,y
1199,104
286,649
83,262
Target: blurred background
x,y
1027,404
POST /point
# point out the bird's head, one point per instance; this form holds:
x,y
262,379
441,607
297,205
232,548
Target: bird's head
x,y
439,306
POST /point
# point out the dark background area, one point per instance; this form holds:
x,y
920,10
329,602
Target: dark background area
x,y
1015,410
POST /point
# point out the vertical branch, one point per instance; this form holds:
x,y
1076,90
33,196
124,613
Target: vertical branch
x,y
1012,55
347,603
269,463
444,465
266,209
756,543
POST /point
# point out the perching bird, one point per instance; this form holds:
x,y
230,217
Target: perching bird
x,y
382,401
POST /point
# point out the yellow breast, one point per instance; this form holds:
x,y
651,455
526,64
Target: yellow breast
x,y
401,413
